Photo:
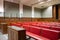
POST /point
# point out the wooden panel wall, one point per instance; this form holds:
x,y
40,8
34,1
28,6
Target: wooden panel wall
x,y
8,20
53,19
54,11
25,19
59,11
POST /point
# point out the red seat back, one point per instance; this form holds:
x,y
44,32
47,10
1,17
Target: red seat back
x,y
51,34
35,30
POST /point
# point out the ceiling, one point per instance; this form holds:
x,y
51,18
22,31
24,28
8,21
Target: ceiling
x,y
38,4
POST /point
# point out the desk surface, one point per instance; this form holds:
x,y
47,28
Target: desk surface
x,y
16,28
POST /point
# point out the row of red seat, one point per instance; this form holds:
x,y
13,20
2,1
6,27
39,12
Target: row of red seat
x,y
51,34
48,30
49,25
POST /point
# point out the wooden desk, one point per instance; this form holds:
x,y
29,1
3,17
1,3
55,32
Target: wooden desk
x,y
16,33
3,28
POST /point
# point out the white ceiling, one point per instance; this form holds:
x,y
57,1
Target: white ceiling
x,y
35,3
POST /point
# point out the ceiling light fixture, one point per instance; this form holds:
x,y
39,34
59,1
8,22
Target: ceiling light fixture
x,y
44,1
41,2
48,0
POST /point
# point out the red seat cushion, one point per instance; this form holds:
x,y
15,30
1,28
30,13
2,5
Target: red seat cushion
x,y
51,34
13,24
26,27
36,36
35,30
56,28
45,26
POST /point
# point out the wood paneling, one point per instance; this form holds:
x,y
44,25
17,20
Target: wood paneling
x,y
9,20
26,19
54,11
3,27
59,11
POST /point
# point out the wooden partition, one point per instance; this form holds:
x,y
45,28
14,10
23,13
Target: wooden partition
x,y
16,33
54,11
3,28
9,20
59,11
26,19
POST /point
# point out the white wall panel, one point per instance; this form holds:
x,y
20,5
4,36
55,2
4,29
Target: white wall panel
x,y
47,12
32,12
1,6
37,13
1,9
21,10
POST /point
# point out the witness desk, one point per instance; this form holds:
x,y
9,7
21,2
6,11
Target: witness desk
x,y
16,33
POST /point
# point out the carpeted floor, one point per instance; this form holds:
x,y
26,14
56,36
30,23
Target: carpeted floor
x,y
3,36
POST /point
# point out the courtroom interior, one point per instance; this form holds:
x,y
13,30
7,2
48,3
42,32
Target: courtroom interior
x,y
29,19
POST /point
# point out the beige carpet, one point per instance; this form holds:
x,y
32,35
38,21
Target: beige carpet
x,y
3,36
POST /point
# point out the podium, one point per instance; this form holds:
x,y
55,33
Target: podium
x,y
16,33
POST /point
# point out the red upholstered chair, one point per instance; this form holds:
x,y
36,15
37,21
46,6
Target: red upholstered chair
x,y
35,30
19,23
34,23
12,24
26,23
51,34
45,26
26,27
16,24
56,28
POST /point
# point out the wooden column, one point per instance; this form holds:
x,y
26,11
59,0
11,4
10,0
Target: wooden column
x,y
59,11
16,33
54,11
